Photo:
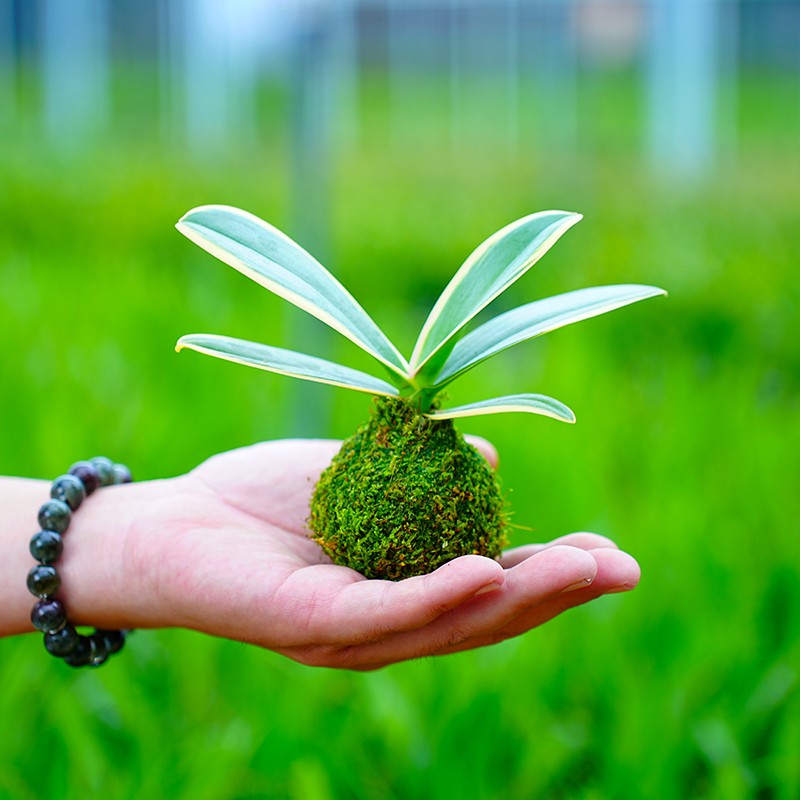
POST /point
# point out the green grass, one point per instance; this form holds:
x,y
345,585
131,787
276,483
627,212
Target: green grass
x,y
685,451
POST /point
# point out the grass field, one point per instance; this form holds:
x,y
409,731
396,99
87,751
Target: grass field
x,y
686,451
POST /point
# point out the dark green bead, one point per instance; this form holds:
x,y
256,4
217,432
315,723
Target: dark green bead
x,y
114,640
122,474
87,473
63,642
69,489
48,615
55,515
47,546
81,654
100,651
104,468
43,580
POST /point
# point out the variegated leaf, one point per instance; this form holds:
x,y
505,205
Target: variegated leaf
x,y
270,258
535,319
530,403
497,263
284,362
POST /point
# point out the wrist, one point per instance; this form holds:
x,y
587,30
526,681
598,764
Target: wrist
x,y
113,568
110,566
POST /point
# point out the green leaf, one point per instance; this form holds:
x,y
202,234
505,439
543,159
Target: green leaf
x,y
531,403
535,319
493,267
273,260
284,362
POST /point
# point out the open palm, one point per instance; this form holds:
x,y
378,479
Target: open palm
x,y
237,563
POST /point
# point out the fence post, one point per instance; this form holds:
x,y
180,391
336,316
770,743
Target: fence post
x,y
512,37
205,79
346,69
456,75
682,85
75,69
8,71
310,127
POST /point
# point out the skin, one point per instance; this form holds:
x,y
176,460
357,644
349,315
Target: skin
x,y
224,550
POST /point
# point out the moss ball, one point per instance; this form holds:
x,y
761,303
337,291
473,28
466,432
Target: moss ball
x,y
404,495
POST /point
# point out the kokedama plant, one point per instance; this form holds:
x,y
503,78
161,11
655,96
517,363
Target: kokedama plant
x,y
405,493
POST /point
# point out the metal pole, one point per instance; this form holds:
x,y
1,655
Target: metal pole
x,y
75,70
8,72
512,74
682,75
311,177
729,77
170,60
205,77
346,69
456,76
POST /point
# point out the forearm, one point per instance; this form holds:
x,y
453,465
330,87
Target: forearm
x,y
20,499
106,575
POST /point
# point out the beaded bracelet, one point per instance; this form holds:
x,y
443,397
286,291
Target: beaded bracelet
x,y
49,615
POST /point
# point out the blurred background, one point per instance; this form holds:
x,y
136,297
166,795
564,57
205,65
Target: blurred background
x,y
390,137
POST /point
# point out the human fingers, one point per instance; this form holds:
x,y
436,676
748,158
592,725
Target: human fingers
x,y
617,571
485,448
531,583
335,608
584,540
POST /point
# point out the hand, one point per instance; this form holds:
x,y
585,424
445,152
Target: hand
x,y
227,552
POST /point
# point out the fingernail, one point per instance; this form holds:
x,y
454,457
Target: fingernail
x,y
621,587
581,584
490,587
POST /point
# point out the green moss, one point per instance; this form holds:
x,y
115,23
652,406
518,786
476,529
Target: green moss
x,y
406,494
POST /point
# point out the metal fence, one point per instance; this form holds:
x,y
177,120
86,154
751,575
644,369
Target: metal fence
x,y
205,61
